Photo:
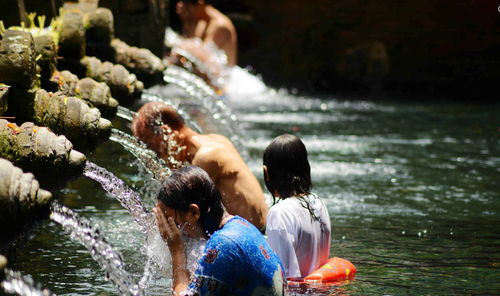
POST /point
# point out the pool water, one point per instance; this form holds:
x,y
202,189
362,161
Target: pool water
x,y
412,190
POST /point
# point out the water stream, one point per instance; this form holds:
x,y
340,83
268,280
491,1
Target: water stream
x,y
153,164
127,197
84,232
225,119
16,283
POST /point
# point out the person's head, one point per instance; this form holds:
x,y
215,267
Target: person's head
x,y
157,124
189,196
286,167
189,9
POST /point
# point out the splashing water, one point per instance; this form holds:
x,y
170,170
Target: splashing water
x,y
217,55
187,118
192,84
158,255
153,164
226,120
129,115
110,260
215,59
127,197
16,283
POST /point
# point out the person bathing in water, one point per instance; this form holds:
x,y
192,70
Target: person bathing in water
x,y
202,20
203,26
156,124
237,260
298,225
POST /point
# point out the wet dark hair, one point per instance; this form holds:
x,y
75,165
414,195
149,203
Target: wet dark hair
x,y
288,170
287,166
192,185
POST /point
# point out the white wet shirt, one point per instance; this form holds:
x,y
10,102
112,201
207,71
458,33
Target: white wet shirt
x,y
302,243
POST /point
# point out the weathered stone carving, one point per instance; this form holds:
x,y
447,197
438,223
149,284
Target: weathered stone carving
x,y
96,93
20,197
37,149
124,86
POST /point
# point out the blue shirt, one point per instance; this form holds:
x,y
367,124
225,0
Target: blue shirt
x,y
238,261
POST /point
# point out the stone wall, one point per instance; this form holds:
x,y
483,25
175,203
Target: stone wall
x,y
140,23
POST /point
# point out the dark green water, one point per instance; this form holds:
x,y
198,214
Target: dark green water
x,y
412,189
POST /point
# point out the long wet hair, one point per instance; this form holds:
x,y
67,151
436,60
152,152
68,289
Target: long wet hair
x,y
192,185
287,166
288,169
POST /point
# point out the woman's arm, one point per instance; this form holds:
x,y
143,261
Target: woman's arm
x,y
172,235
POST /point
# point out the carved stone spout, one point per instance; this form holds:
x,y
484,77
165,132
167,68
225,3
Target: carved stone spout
x,y
49,156
20,197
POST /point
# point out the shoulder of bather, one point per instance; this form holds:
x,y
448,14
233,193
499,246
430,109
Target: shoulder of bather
x,y
232,234
211,153
285,210
219,27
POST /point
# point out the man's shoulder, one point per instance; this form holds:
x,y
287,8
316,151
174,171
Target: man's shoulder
x,y
221,26
214,143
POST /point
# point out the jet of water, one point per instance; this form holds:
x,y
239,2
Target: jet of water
x,y
187,118
155,165
16,283
226,120
158,255
127,197
110,260
125,113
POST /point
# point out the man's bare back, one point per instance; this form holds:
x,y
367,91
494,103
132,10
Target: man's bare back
x,y
241,192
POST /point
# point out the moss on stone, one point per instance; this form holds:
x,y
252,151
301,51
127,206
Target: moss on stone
x,y
17,59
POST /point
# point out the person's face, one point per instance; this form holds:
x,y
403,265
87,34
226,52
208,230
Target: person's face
x,y
186,222
185,10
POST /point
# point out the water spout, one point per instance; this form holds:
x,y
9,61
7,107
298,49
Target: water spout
x,y
150,97
125,113
198,89
16,283
101,251
156,251
226,120
127,197
153,164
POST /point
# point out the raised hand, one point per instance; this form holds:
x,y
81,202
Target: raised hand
x,y
169,231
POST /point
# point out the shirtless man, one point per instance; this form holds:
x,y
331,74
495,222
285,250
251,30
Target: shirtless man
x,y
156,124
201,20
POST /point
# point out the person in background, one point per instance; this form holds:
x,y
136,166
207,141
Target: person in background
x,y
237,260
159,125
202,20
298,225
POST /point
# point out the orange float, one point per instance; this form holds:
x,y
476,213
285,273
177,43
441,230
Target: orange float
x,y
336,269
